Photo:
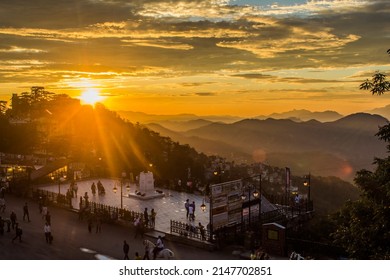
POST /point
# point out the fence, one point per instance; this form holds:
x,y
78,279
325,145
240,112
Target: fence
x,y
190,231
51,198
107,213
110,213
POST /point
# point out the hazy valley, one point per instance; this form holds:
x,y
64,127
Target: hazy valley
x,y
331,145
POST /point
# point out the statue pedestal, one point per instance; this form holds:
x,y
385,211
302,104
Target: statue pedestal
x,y
146,188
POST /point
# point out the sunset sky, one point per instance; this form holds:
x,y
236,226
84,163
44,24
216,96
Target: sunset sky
x,y
206,57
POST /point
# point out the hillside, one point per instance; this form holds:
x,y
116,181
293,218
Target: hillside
x,y
383,111
332,148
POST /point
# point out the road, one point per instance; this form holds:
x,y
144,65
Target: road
x,y
72,240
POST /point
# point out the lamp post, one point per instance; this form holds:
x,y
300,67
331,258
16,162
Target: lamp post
x,y
256,194
307,184
121,184
59,177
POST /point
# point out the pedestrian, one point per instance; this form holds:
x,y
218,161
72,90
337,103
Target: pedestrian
x,y
44,211
137,224
126,248
146,217
2,204
90,224
8,221
187,207
86,199
153,218
47,231
48,218
191,212
98,224
25,212
18,233
40,204
93,188
75,189
13,219
147,248
193,209
201,230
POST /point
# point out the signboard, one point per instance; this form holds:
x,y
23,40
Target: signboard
x,y
226,204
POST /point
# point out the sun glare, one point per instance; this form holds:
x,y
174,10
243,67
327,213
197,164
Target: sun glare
x,y
91,96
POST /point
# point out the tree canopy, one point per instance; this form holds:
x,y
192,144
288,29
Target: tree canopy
x,y
363,226
378,84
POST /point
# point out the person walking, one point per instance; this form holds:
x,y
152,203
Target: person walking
x,y
18,233
93,188
147,248
187,207
12,217
90,224
75,189
202,231
146,217
153,218
48,218
25,212
44,212
126,248
98,224
137,224
191,212
47,231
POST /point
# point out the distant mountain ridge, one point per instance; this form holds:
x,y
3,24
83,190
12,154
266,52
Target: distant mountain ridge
x,y
191,120
141,117
330,148
383,111
305,115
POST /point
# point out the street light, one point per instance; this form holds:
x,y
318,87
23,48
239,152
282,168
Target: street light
x,y
59,177
127,188
203,206
307,184
256,194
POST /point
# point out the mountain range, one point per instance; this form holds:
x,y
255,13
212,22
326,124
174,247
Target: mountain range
x,y
296,115
338,147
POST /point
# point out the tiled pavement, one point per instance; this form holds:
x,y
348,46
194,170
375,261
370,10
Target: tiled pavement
x,y
169,207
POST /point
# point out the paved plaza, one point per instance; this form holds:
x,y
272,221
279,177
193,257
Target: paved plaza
x,y
169,207
72,241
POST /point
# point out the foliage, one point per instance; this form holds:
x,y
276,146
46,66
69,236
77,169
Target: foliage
x,y
364,225
3,106
378,84
56,126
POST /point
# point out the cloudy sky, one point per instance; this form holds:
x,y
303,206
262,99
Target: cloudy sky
x,y
236,57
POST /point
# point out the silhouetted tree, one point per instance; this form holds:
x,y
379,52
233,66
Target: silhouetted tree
x,y
378,84
364,225
3,107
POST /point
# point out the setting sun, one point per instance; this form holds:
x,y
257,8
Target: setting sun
x,y
91,96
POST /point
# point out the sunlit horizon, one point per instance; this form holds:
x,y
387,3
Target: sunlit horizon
x,y
242,57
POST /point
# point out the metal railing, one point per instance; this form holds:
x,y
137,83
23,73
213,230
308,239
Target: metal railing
x,y
106,212
51,198
190,231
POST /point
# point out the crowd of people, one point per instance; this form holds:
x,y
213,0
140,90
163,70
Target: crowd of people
x,y
12,224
